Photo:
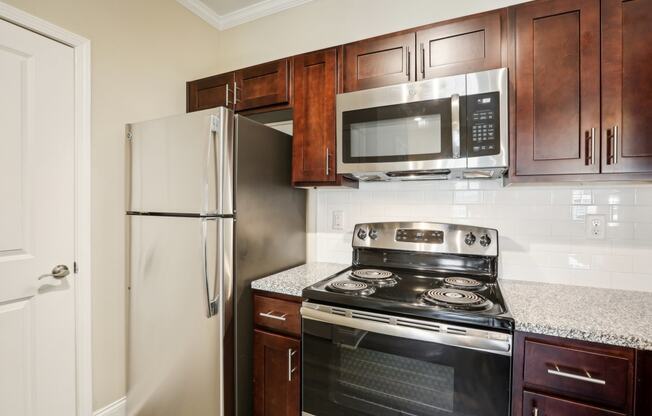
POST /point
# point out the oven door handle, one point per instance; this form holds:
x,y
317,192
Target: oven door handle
x,y
491,342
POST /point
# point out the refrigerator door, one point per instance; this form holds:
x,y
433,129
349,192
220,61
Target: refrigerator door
x,y
176,350
182,164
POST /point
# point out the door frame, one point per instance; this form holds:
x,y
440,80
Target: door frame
x,y
82,54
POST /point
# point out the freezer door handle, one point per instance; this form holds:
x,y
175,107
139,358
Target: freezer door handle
x,y
211,297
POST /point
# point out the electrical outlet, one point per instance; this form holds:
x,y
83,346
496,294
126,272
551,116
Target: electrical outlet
x,y
338,221
595,227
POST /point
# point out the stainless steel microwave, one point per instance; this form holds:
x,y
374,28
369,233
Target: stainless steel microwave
x,y
447,128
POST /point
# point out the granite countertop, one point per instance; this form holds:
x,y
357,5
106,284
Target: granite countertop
x,y
292,281
606,316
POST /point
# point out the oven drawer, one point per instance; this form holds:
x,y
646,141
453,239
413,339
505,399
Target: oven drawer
x,y
593,375
540,405
277,314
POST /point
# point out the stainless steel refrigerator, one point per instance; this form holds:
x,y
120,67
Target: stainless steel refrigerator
x,y
210,208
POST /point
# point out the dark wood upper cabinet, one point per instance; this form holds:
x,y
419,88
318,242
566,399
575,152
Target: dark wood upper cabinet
x,y
210,92
313,146
626,86
470,44
378,62
276,375
557,84
263,85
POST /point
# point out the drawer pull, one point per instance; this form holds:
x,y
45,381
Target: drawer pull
x,y
271,315
557,372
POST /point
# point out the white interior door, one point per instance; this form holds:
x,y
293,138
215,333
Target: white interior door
x,y
37,227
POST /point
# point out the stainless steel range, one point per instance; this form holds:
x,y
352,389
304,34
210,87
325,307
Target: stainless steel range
x,y
416,326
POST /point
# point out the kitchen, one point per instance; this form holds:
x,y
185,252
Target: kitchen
x,y
553,221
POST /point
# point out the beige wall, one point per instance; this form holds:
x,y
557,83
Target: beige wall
x,y
143,51
324,23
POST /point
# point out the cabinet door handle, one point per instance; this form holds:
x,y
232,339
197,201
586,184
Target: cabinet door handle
x,y
587,378
226,100
616,144
423,61
535,411
271,315
407,70
328,162
590,152
291,369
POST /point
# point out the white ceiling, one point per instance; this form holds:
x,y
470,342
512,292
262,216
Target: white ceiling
x,y
222,7
225,14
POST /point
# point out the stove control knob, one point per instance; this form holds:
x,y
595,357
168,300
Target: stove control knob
x,y
373,234
362,234
469,239
485,240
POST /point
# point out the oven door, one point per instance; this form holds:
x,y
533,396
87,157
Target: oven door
x,y
358,363
408,127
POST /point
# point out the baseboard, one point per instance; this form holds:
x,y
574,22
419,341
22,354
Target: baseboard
x,y
117,408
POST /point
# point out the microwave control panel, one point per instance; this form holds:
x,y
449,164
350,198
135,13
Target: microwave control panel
x,y
483,126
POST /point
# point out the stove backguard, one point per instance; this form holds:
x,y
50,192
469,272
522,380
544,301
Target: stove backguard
x,y
463,265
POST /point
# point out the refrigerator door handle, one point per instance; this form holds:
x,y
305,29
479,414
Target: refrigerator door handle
x,y
211,297
214,166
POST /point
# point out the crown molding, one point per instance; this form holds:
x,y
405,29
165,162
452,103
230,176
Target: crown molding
x,y
240,16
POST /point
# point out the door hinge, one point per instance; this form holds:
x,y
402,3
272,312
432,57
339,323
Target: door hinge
x,y
75,269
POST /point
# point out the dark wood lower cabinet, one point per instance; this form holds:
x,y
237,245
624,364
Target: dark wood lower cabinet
x,y
563,377
277,378
540,405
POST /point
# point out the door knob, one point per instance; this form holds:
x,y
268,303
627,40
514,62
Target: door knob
x,y
58,272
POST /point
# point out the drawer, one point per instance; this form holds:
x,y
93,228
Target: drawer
x,y
540,405
602,377
277,314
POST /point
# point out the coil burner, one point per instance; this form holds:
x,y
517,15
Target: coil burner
x,y
376,277
351,288
455,298
464,283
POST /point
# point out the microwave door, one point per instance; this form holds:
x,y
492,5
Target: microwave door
x,y
418,126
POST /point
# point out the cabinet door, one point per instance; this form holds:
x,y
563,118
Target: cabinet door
x,y
263,85
277,378
557,71
626,86
210,92
540,405
379,62
467,45
313,146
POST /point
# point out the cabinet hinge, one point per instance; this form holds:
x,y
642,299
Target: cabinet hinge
x,y
75,268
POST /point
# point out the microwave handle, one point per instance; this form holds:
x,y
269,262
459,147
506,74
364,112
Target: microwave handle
x,y
455,125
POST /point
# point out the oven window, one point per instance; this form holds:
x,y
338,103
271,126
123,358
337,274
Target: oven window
x,y
395,133
397,137
400,382
352,372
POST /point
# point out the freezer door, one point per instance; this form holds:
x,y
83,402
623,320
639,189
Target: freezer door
x,y
176,363
182,164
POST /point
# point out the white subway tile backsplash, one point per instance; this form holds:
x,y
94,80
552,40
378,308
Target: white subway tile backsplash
x,y
644,196
542,229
